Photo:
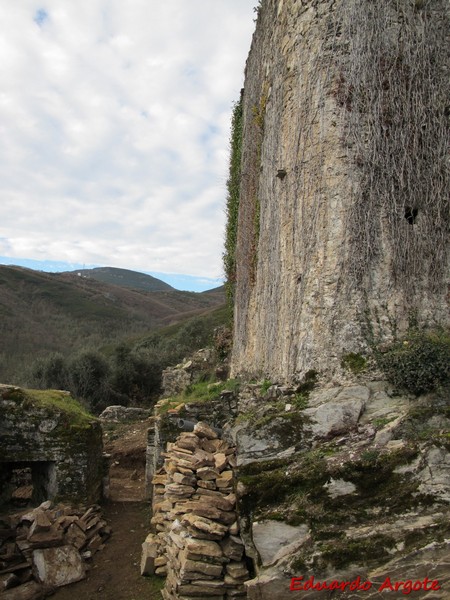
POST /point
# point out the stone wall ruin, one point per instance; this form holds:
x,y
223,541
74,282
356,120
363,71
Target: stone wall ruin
x,y
47,438
196,542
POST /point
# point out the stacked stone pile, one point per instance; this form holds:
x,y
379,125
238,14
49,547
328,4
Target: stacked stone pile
x,y
196,541
48,547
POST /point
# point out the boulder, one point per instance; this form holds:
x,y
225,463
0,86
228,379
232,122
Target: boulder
x,y
339,415
58,566
269,586
119,413
272,537
202,430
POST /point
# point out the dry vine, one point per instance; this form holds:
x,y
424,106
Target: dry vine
x,y
394,88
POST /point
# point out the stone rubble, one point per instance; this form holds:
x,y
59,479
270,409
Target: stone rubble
x,y
178,378
48,547
195,541
118,414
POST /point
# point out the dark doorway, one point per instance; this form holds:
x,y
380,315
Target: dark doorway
x,y
27,483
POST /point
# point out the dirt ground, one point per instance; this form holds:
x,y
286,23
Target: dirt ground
x,y
126,444
115,571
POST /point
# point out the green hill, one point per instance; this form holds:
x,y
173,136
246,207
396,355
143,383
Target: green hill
x,y
124,278
41,313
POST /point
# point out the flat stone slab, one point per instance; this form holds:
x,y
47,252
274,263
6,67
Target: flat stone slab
x,y
338,415
271,538
58,566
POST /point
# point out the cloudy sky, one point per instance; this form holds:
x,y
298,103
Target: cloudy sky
x,y
114,127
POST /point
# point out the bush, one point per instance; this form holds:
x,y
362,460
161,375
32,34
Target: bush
x,y
418,364
50,372
137,374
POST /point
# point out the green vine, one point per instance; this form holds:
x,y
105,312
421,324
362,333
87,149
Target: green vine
x,y
232,206
259,115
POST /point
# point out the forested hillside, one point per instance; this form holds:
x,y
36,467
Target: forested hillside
x,y
55,319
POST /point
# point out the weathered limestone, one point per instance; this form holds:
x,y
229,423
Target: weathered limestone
x,y
195,520
367,495
299,305
272,538
118,413
176,379
58,566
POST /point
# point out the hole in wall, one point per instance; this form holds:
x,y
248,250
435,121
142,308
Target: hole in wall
x,y
25,484
411,214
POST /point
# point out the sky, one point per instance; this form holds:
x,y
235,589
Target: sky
x,y
114,127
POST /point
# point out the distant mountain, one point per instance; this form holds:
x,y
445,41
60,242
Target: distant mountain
x,y
218,292
125,278
64,312
179,282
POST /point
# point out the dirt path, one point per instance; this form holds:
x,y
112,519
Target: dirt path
x,y
126,444
115,572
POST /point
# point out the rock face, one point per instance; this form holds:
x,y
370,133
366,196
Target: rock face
x,y
342,227
176,379
355,483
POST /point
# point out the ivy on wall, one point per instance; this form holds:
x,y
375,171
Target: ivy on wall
x,y
232,205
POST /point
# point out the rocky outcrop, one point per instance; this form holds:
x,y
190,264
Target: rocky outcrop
x,y
333,484
176,379
118,413
342,483
342,236
196,543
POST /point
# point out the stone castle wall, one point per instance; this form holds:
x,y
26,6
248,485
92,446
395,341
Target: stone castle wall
x,y
343,219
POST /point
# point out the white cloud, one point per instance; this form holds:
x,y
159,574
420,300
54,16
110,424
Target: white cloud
x,y
114,120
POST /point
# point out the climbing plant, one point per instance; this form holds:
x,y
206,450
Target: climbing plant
x,y
393,87
232,206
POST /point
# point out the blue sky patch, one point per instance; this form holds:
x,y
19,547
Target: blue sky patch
x,y
41,17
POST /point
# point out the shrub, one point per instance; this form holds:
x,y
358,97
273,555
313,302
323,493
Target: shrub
x,y
50,372
354,362
418,364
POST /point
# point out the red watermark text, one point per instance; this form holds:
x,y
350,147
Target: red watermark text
x,y
358,585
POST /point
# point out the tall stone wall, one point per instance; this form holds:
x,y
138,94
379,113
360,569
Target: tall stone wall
x,y
343,216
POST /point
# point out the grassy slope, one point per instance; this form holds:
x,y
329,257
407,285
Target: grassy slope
x,y
42,312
